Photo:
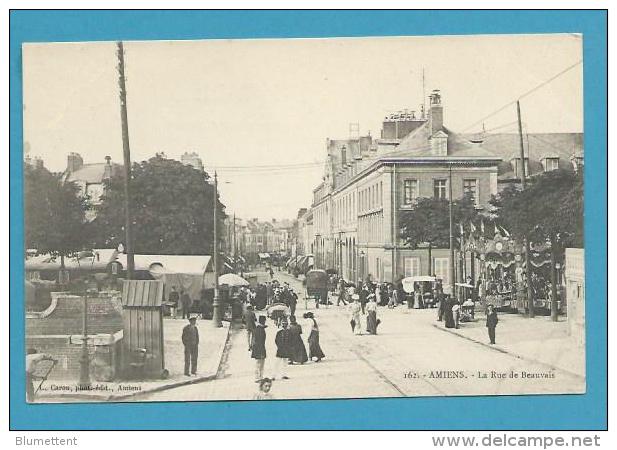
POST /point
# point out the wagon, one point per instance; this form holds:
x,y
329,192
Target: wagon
x,y
317,286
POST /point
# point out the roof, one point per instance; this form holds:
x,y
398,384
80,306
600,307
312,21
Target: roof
x,y
97,259
142,293
417,144
91,173
186,264
537,146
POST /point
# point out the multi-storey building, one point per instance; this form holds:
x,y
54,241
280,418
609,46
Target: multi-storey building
x,y
369,182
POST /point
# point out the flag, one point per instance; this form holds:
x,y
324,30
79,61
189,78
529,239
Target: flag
x,y
482,226
462,230
472,227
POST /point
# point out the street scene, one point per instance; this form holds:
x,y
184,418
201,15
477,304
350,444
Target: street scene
x,y
201,225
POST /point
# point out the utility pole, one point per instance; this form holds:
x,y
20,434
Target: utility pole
x,y
216,314
235,246
530,299
126,151
451,225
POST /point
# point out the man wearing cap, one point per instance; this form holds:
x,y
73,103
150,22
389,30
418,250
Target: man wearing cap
x,y
190,339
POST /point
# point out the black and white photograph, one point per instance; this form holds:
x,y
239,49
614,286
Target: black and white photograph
x,y
324,218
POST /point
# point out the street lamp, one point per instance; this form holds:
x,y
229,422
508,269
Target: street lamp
x,y
216,313
84,360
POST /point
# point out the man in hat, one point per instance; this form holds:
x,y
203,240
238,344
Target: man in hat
x,y
283,350
491,322
258,352
250,321
186,302
190,339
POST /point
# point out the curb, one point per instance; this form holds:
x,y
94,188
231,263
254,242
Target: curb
x,y
154,389
506,352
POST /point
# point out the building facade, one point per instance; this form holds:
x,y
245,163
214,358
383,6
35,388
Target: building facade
x,y
368,183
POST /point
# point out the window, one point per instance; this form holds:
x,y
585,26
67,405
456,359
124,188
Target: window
x,y
410,191
442,271
470,187
439,188
551,164
412,266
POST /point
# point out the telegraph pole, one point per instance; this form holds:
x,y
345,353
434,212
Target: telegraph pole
x,y
530,299
126,151
451,225
216,314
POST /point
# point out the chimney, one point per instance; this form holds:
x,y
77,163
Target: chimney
x,y
107,172
435,114
74,162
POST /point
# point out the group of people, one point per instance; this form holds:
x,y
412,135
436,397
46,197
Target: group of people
x,y
181,299
290,348
268,293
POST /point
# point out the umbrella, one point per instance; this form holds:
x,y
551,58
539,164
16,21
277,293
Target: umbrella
x,y
231,279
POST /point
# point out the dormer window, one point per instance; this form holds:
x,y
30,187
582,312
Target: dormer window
x,y
550,163
577,162
439,144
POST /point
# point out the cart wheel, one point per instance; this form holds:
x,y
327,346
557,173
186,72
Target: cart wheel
x,y
164,374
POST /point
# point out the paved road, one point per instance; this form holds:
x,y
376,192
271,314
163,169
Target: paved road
x,y
409,357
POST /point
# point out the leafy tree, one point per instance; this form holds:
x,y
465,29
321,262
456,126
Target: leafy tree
x,y
54,213
171,208
428,222
550,209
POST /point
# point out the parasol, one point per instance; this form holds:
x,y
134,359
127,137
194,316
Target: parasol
x,y
231,279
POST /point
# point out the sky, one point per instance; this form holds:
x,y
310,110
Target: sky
x,y
252,108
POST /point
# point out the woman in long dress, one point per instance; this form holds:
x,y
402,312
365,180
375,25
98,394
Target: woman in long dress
x,y
315,350
355,310
448,314
371,319
298,350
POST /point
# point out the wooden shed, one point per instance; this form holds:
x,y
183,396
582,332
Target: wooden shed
x,y
142,314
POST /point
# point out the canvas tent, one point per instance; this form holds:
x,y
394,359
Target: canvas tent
x,y
188,272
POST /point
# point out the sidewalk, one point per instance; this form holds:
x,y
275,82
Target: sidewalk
x,y
539,340
211,346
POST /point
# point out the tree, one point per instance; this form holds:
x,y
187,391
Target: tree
x,y
54,214
427,223
549,210
171,208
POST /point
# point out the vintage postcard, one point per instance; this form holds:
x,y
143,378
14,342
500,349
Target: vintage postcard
x,y
304,218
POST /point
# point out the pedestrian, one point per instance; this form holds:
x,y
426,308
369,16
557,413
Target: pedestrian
x,y
173,302
448,314
250,321
186,303
190,339
417,298
441,306
293,302
491,322
258,352
456,312
265,385
283,351
342,293
355,310
391,296
33,358
315,350
371,319
298,350
364,293
271,272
